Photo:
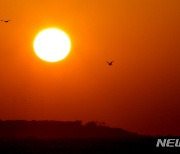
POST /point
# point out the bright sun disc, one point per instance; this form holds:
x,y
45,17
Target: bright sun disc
x,y
52,45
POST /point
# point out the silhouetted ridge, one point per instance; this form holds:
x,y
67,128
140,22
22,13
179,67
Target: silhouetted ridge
x,y
60,129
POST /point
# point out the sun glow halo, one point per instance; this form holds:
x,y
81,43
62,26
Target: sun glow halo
x,y
52,45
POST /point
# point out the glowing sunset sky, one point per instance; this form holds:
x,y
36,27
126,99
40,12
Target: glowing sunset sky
x,y
140,92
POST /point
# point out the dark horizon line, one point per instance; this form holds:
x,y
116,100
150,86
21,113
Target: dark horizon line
x,y
91,123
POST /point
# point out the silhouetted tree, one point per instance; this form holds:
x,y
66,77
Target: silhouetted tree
x,y
102,124
91,124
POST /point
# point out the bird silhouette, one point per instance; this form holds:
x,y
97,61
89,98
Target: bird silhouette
x,y
110,63
5,20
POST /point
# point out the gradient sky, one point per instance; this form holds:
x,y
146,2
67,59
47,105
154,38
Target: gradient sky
x,y
140,92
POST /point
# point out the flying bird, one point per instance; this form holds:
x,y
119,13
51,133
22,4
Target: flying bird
x,y
110,63
5,20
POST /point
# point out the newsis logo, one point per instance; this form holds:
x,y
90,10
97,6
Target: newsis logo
x,y
168,143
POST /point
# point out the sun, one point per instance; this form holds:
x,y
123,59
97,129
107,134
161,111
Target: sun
x,y
52,45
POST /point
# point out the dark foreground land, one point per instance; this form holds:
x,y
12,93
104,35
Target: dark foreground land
x,y
49,137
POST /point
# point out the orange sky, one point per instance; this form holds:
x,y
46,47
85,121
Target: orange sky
x,y
140,92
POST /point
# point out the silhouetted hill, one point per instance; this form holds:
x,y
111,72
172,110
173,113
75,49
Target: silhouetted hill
x,y
54,137
60,129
